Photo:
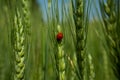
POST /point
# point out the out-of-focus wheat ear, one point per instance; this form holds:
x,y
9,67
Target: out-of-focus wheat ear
x,y
25,10
91,67
118,32
26,15
60,55
27,23
18,46
109,12
111,33
26,20
73,64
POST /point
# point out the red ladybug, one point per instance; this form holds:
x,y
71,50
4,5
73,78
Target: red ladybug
x,y
59,36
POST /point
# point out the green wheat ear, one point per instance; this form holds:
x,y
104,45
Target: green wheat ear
x,y
60,58
19,47
78,19
21,25
109,13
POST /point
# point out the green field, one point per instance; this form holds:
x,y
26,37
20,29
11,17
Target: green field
x,y
73,41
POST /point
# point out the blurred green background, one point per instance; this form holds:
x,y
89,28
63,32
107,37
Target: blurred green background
x,y
40,61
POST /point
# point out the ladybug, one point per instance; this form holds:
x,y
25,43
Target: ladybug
x,y
59,36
